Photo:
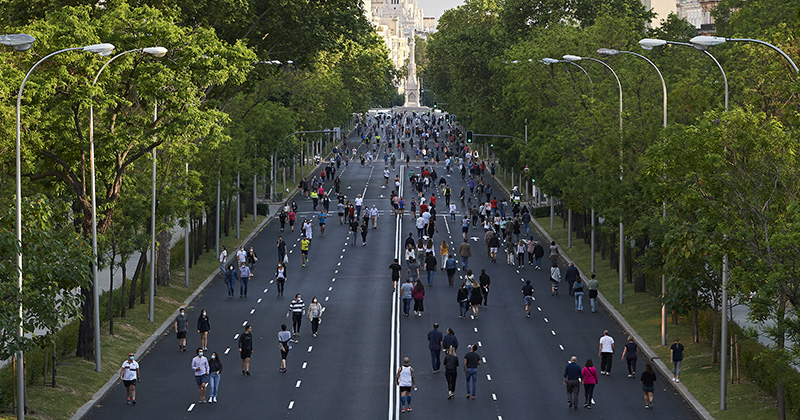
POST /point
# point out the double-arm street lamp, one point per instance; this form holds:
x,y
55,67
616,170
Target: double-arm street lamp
x,y
549,61
23,42
155,52
573,58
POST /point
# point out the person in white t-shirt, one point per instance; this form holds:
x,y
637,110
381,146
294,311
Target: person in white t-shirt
x,y
129,374
222,257
606,353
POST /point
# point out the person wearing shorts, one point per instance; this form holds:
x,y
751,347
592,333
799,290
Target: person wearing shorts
x,y
246,349
201,371
304,244
405,380
129,374
181,326
527,296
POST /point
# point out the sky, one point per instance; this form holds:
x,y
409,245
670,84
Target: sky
x,y
435,8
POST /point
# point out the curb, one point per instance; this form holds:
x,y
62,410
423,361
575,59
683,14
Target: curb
x,y
654,358
86,408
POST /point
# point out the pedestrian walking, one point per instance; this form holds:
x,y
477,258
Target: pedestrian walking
x,y
419,297
553,251
606,353
476,296
571,276
215,374
296,308
444,251
592,285
364,231
450,340
465,252
292,217
201,369
246,349
223,257
244,279
629,355
589,381
521,253
451,371
435,338
407,295
648,380
396,269
231,278
577,292
471,362
281,245
305,244
315,310
130,376
572,381
181,327
538,253
405,380
280,278
373,216
555,278
430,267
462,297
241,255
484,281
527,297
203,328
676,355
511,249
354,230
450,266
252,259
282,217
285,344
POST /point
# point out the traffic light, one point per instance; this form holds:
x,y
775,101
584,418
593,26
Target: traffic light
x,y
469,136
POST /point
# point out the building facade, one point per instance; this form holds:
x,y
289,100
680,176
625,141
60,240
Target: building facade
x,y
698,13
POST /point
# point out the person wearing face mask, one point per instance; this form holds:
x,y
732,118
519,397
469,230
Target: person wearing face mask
x,y
215,367
315,315
201,369
129,374
203,327
181,326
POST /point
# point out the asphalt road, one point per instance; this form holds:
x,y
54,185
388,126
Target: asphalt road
x,y
344,373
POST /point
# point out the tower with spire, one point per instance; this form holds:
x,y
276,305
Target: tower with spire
x,y
412,84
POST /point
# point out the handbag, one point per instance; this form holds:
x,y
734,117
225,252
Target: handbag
x,y
286,259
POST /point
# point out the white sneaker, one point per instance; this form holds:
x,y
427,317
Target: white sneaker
x,y
677,380
215,399
210,399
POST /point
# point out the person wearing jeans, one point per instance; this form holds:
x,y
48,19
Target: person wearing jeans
x,y
406,294
577,291
471,362
463,301
215,367
592,286
435,338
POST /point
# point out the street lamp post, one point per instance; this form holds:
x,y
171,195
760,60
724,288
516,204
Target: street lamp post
x,y
621,227
156,52
703,42
549,61
608,52
648,44
19,42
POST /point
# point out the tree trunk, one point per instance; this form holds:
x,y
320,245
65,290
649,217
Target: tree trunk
x,y
780,389
85,348
124,261
715,335
136,274
111,291
162,254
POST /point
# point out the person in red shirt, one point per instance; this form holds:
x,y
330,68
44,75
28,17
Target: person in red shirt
x,y
433,200
423,208
494,206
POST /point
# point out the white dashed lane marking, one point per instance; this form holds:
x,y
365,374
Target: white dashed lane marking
x,y
259,300
561,347
554,333
236,336
297,385
305,364
545,320
244,323
252,311
488,377
227,350
191,407
291,404
309,348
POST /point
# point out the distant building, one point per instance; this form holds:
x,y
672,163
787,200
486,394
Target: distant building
x,y
396,21
662,8
698,13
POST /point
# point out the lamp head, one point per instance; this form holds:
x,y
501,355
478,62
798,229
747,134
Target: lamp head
x,y
570,57
102,49
155,51
702,42
19,42
605,52
548,60
650,43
